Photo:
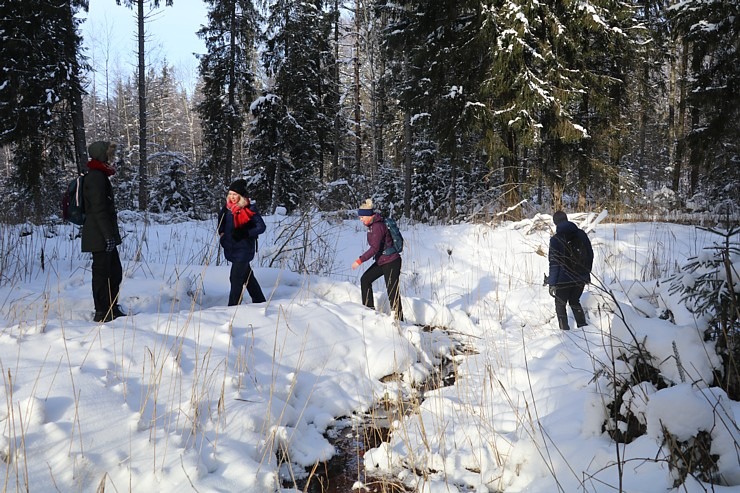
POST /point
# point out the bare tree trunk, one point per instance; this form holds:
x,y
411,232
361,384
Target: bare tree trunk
x,y
452,197
358,112
679,130
230,134
584,167
378,103
511,176
143,178
75,97
337,128
407,168
276,186
696,157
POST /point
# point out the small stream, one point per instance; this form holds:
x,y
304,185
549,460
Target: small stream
x,y
353,436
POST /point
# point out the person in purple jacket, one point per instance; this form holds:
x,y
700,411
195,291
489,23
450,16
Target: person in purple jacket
x,y
387,261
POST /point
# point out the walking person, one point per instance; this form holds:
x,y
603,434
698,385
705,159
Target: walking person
x,y
571,257
387,261
100,234
239,225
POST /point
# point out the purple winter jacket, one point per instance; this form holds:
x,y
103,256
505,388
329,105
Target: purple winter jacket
x,y
379,239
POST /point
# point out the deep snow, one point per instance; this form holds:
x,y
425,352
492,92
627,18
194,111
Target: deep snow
x,y
187,394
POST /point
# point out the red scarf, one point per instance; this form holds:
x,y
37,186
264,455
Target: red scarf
x,y
104,167
242,215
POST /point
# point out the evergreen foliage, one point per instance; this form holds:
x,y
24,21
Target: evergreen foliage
x,y
36,76
228,84
300,66
440,111
712,30
172,191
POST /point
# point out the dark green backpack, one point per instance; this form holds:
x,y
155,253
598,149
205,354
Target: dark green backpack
x,y
73,204
396,236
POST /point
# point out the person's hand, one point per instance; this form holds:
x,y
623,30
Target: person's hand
x,y
552,290
110,245
356,264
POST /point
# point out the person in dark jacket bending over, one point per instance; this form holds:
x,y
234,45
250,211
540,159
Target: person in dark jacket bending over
x,y
387,260
567,280
239,225
100,234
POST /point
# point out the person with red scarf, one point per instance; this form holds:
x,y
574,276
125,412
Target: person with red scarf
x,y
100,235
239,225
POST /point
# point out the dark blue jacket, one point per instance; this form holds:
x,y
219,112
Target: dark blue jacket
x,y
239,244
559,274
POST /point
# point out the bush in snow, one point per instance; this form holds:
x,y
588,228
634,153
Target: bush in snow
x,y
709,285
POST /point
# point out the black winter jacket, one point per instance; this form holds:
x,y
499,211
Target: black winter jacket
x,y
101,220
559,274
239,244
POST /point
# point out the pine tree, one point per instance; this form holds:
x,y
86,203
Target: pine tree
x,y
436,64
172,186
267,151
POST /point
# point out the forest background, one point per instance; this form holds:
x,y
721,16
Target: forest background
x,y
445,110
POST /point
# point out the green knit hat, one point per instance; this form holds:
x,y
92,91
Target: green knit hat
x,y
99,150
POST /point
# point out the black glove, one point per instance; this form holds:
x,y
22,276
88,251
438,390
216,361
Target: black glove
x,y
110,245
552,290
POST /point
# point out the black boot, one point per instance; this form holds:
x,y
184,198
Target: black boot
x,y
103,317
563,322
579,315
117,312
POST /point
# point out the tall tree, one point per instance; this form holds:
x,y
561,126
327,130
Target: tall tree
x,y
437,66
555,67
300,65
712,33
39,88
228,82
141,18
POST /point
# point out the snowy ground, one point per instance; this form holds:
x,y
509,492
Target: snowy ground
x,y
188,394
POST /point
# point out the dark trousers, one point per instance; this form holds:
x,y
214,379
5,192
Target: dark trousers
x,y
569,294
241,274
107,274
392,274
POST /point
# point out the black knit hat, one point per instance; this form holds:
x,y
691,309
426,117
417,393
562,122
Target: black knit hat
x,y
239,186
559,217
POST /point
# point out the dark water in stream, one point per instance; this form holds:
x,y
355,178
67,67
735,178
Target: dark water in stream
x,y
352,437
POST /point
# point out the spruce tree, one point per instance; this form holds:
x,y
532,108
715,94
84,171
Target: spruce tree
x,y
228,84
300,65
557,78
38,87
712,33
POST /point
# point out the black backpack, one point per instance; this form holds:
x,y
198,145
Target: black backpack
x,y
577,258
396,236
73,204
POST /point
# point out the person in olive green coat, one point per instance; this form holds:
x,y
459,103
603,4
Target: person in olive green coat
x,y
100,234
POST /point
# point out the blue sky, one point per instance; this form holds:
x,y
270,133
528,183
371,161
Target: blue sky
x,y
110,30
